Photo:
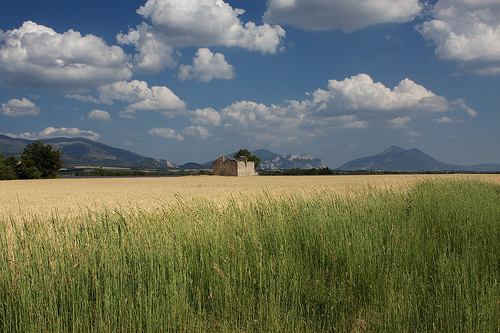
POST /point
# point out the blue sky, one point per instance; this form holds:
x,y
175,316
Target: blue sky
x,y
191,80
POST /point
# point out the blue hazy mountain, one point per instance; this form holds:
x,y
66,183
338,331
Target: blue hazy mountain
x,y
84,152
398,159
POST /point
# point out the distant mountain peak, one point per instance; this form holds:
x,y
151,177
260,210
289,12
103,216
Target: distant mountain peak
x,y
392,150
395,158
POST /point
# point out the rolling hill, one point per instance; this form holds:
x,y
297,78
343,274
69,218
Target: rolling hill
x,y
84,152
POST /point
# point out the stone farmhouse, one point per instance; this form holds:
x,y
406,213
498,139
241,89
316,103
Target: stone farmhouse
x,y
233,167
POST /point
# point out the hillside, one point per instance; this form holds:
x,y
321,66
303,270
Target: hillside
x,y
84,152
398,159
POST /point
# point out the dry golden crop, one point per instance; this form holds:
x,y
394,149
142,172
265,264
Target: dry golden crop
x,y
73,197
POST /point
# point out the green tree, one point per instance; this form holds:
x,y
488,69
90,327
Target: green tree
x,y
6,169
12,162
248,155
39,161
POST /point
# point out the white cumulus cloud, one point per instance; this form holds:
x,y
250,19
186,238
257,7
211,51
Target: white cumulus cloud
x,y
196,131
400,122
51,132
207,66
19,107
38,57
155,53
447,120
340,14
180,23
468,32
462,104
360,93
207,116
166,133
99,115
443,120
209,22
140,96
353,103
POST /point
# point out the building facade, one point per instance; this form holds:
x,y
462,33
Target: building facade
x,y
225,166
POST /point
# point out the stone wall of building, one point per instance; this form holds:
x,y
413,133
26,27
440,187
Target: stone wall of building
x,y
225,167
233,167
245,168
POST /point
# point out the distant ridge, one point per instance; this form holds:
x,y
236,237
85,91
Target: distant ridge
x,y
398,159
272,161
84,152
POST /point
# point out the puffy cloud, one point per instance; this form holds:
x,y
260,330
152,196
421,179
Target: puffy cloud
x,y
99,115
468,32
166,133
207,66
251,115
209,22
290,123
413,134
155,54
353,103
447,120
196,131
348,121
400,122
156,98
19,107
360,93
51,132
141,97
296,121
36,56
180,23
84,98
340,14
462,104
207,116
443,120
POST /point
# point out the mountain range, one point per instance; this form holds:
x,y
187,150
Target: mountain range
x,y
271,161
84,152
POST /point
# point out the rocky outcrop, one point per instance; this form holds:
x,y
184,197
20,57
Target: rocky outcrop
x,y
291,161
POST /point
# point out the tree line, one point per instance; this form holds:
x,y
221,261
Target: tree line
x,y
37,161
298,172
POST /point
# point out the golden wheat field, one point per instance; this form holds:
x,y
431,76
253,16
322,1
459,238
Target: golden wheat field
x,y
70,198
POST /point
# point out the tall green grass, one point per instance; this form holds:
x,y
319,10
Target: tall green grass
x,y
418,259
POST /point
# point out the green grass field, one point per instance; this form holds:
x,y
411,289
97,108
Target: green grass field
x,y
422,258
